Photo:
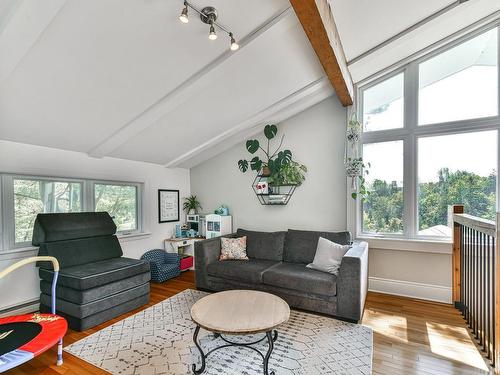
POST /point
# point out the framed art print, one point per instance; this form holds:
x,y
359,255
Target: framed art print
x,y
168,206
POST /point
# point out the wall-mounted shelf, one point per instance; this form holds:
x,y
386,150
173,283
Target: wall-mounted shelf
x,y
275,195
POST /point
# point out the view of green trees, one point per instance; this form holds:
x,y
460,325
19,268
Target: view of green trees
x,y
383,210
120,201
32,197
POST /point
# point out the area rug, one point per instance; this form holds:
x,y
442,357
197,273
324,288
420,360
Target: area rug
x,y
159,340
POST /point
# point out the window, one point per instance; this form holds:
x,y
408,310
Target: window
x,y
32,197
383,105
464,171
383,212
120,201
461,83
24,197
447,140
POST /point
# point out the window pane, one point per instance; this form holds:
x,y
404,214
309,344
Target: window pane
x,y
383,210
32,197
462,172
120,201
461,83
383,106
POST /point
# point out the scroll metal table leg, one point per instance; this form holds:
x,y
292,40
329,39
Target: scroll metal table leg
x,y
270,340
195,339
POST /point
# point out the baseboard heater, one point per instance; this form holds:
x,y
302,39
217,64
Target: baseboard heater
x,y
23,308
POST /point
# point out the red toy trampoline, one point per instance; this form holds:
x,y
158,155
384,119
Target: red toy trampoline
x,y
23,337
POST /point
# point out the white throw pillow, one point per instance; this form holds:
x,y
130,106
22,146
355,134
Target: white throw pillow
x,y
328,256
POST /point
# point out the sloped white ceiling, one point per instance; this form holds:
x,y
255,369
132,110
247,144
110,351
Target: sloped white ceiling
x,y
127,79
364,24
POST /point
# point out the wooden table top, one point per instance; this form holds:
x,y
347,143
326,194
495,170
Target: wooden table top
x,y
240,312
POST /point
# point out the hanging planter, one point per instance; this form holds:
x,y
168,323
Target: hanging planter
x,y
355,166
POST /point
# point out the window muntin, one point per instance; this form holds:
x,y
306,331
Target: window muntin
x,y
383,209
486,120
383,104
120,201
460,83
462,172
34,196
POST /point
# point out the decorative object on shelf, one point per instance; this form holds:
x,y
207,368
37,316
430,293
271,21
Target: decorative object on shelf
x,y
355,166
209,16
222,210
277,173
191,205
218,225
168,206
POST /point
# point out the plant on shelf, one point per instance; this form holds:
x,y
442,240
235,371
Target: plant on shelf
x,y
272,161
292,173
191,204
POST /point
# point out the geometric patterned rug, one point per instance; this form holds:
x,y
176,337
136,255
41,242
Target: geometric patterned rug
x,y
159,340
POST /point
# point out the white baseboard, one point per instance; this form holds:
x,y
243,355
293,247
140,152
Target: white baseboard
x,y
25,308
428,292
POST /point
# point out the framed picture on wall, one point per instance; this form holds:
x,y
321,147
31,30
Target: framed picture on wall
x,y
168,206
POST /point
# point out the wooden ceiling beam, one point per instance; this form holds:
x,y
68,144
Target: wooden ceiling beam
x,y
317,20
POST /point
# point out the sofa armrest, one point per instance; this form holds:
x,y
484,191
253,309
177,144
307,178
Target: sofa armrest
x,y
352,282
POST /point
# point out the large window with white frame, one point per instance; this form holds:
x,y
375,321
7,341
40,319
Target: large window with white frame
x,y
24,197
431,133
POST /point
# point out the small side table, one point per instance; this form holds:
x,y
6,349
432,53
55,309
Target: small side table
x,y
239,312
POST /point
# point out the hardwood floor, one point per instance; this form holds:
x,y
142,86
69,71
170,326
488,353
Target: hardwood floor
x,y
410,337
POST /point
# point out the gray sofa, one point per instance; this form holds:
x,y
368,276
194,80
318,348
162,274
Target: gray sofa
x,y
278,265
96,283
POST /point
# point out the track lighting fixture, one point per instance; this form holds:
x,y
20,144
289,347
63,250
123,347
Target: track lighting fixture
x,y
212,35
184,14
208,15
234,45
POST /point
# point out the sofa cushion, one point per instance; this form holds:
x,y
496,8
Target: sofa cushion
x,y
95,274
264,245
300,245
296,276
243,270
85,296
70,226
84,250
81,311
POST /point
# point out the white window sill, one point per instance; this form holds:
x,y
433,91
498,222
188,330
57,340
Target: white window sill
x,y
133,236
416,245
22,252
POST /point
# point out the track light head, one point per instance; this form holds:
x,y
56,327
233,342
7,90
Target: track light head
x,y
184,14
234,45
212,35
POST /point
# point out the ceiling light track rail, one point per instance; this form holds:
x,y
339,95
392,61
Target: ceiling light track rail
x,y
209,16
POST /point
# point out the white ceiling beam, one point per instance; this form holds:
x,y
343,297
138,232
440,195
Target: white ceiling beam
x,y
23,29
184,91
281,110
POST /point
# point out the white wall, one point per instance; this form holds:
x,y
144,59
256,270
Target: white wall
x,y
316,139
22,286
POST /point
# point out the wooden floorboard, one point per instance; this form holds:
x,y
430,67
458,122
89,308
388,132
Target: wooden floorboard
x,y
410,337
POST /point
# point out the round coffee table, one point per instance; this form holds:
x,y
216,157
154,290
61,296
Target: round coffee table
x,y
239,312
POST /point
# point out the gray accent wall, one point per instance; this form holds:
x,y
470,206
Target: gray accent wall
x,y
316,139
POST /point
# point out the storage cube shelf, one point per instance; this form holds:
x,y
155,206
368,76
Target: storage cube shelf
x,y
272,195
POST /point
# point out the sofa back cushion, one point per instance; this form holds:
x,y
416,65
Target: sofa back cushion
x,y
80,251
300,245
264,245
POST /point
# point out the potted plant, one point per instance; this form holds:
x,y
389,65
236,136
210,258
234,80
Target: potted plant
x,y
272,161
292,173
191,204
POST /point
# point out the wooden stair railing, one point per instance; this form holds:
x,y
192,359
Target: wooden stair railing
x,y
476,278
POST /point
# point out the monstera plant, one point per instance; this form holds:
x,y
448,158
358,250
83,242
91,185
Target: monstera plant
x,y
274,163
271,161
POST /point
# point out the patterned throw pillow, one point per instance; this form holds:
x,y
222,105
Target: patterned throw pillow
x,y
233,248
